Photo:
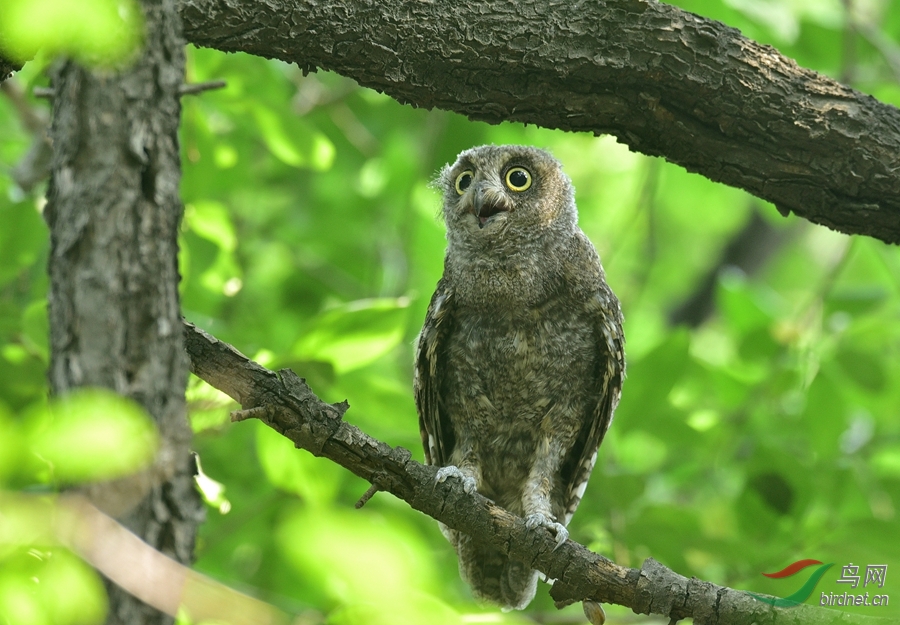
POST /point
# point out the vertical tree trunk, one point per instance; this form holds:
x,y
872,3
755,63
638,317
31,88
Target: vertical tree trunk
x,y
114,210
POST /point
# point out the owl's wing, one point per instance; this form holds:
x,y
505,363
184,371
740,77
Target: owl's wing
x,y
610,373
437,437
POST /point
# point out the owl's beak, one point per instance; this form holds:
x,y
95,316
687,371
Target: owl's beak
x,y
488,203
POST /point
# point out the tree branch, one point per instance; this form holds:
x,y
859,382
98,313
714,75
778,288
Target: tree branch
x,y
284,402
662,80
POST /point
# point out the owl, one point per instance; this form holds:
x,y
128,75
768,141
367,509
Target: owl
x,y
520,362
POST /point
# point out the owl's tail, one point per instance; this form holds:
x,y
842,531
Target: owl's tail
x,y
493,576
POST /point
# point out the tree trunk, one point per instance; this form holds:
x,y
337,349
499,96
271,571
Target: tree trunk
x,y
115,321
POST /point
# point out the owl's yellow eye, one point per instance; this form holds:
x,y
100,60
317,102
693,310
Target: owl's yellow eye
x,y
464,180
518,178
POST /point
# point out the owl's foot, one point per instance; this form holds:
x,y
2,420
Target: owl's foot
x,y
468,481
540,520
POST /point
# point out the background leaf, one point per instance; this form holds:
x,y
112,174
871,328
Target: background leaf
x,y
89,435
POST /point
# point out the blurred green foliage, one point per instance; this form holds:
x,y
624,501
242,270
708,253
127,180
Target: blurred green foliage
x,y
97,32
311,240
89,435
48,585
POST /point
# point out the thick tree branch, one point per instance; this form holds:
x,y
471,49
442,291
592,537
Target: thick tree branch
x,y
665,82
285,402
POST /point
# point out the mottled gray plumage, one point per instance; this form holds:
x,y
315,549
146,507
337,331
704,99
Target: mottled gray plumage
x,y
520,362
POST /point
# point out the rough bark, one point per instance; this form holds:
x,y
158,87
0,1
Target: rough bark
x,y
113,211
286,403
663,81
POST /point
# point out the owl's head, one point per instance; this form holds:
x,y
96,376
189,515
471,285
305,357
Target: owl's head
x,y
494,191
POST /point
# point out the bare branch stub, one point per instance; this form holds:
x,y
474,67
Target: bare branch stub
x,y
200,87
366,496
260,412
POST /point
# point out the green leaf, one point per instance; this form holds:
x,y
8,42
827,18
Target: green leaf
x,y
44,587
640,452
886,461
98,31
650,380
71,592
277,139
208,406
824,416
358,557
296,470
355,334
36,328
211,221
302,146
866,369
774,490
703,420
22,237
10,445
212,491
415,609
744,310
91,434
856,301
758,344
372,178
382,402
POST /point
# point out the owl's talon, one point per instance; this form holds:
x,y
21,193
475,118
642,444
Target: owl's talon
x,y
539,520
562,535
468,482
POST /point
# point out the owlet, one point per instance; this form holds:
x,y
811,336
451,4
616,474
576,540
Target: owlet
x,y
519,366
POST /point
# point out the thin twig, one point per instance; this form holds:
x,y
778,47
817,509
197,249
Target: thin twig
x,y
33,118
200,87
366,496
